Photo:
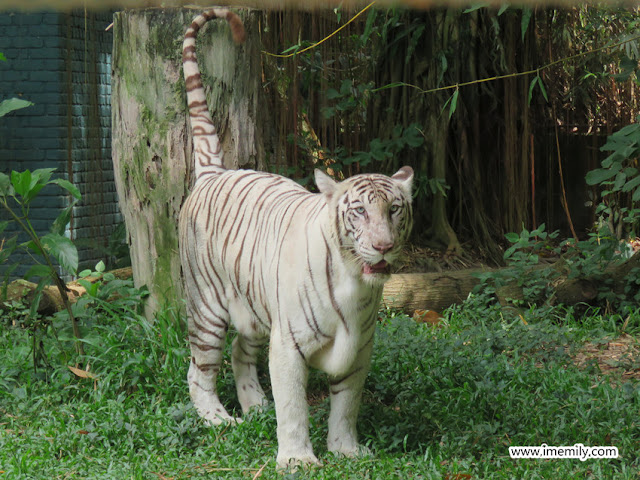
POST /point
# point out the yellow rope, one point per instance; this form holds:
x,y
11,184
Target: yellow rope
x,y
324,39
508,75
462,84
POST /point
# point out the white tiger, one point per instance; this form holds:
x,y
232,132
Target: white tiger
x,y
301,271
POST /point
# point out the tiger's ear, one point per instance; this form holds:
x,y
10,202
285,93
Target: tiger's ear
x,y
325,183
404,177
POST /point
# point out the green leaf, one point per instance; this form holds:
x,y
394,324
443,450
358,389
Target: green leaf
x,y
526,18
631,184
42,175
623,76
475,7
512,237
35,301
292,49
503,8
621,178
100,266
346,87
599,175
390,85
412,136
31,245
542,89
11,104
5,185
2,57
41,271
413,42
628,67
332,94
451,103
59,225
21,181
371,17
63,250
33,192
85,273
636,195
68,186
91,288
454,102
28,184
509,252
531,87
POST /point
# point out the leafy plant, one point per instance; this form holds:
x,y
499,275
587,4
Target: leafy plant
x,y
17,192
526,247
524,270
589,260
108,294
381,150
619,180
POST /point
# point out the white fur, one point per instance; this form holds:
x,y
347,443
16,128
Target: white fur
x,y
303,272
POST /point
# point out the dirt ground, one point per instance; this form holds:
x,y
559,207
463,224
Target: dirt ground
x,y
619,358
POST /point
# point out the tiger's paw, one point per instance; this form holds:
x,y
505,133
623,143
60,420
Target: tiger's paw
x,y
226,421
221,418
351,451
294,463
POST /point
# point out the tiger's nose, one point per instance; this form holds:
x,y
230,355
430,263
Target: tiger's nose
x,y
383,247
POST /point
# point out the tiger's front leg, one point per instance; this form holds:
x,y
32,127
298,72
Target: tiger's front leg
x,y
346,394
289,373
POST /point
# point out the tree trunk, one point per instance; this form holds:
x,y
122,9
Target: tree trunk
x,y
445,33
152,147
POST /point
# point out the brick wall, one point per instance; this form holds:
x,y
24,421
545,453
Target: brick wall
x,y
62,63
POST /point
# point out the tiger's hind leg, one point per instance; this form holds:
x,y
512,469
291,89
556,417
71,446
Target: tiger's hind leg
x,y
207,339
244,357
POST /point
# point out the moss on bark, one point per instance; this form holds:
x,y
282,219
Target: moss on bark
x,y
152,148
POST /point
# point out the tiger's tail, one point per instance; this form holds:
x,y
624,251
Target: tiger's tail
x,y
206,144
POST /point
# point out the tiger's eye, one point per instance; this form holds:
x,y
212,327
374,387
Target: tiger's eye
x,y
360,210
394,208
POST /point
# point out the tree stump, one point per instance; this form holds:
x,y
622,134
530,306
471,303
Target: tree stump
x,y
152,146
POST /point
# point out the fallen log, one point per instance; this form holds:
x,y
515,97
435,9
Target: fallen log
x,y
437,291
51,301
410,292
428,291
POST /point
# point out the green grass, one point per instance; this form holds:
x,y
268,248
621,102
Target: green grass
x,y
439,403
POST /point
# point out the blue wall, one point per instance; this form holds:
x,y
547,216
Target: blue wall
x,y
62,63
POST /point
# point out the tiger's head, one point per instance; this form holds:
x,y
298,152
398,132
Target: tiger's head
x,y
373,219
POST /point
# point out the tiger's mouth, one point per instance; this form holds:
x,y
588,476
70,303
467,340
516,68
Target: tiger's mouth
x,y
382,267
